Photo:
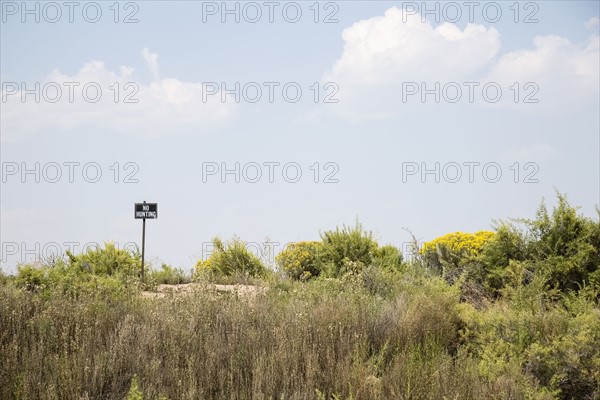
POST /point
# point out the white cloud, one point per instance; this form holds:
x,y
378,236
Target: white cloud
x,y
164,107
383,48
567,74
593,24
151,61
383,53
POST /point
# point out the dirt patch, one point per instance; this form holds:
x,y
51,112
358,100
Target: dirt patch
x,y
241,290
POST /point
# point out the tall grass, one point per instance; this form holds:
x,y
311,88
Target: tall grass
x,y
326,339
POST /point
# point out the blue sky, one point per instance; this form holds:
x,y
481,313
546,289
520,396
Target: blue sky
x,y
370,141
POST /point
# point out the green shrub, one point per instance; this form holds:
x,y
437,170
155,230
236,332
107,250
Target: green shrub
x,y
569,361
167,275
563,246
32,277
553,344
388,257
230,259
508,244
106,261
301,260
348,249
108,270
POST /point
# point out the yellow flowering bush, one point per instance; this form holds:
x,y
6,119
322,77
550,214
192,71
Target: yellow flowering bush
x,y
301,260
203,265
469,244
452,249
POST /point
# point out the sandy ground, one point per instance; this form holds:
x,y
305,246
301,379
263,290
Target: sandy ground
x,y
240,290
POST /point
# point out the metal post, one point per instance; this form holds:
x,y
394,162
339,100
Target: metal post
x,y
143,243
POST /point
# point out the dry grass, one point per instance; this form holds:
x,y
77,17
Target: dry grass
x,y
319,340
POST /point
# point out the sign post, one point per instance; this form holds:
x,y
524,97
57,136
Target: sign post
x,y
143,245
142,211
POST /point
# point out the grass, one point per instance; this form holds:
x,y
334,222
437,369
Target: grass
x,y
329,339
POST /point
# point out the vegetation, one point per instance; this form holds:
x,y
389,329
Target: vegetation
x,y
98,270
167,275
349,249
340,251
302,260
230,259
509,314
453,250
388,257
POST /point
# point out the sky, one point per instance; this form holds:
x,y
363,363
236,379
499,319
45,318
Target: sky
x,y
274,121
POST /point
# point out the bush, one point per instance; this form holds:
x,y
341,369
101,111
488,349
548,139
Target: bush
x,y
231,259
107,261
107,269
553,344
378,281
454,250
349,249
301,260
569,361
388,257
508,244
167,275
563,246
32,277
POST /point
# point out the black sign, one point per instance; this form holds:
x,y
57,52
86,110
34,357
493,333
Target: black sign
x,y
146,210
